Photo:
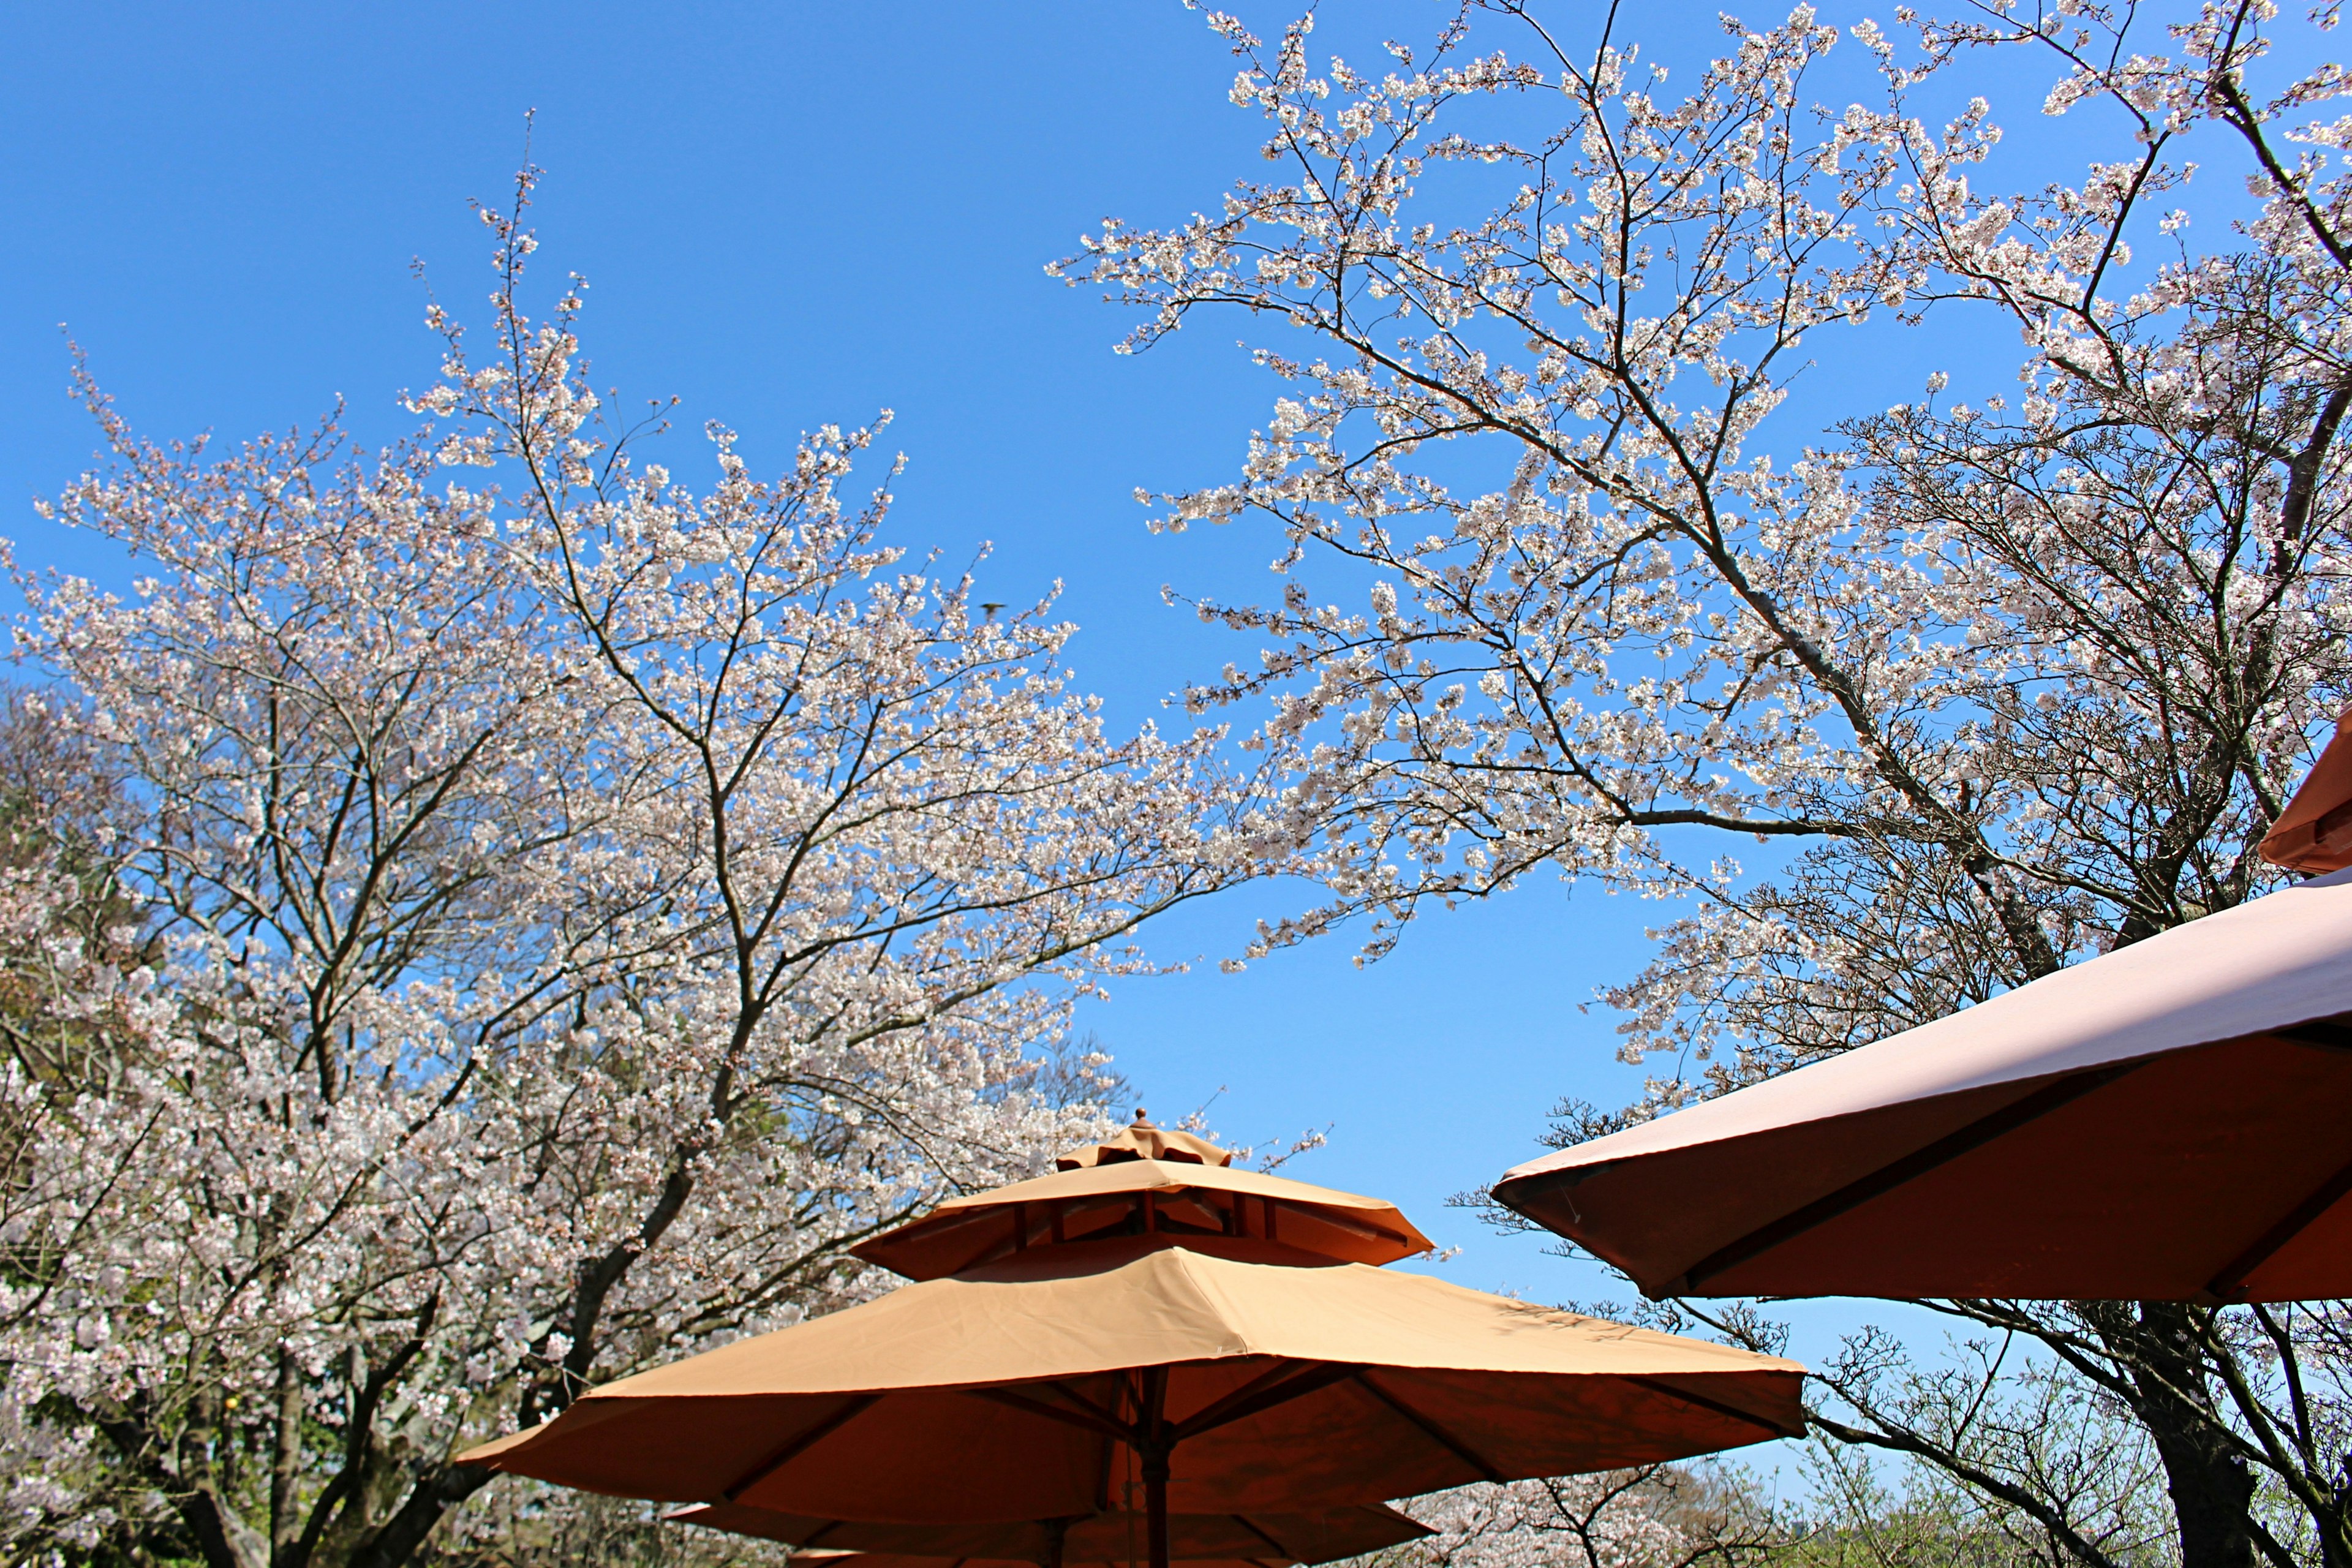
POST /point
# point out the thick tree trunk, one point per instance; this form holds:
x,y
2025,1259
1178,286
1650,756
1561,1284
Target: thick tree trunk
x,y
2212,1488
286,1466
221,1538
435,1493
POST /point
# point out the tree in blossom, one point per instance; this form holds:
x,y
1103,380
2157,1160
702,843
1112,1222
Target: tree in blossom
x,y
1999,676
1657,1516
530,916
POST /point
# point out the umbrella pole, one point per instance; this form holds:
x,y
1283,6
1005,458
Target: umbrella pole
x,y
1154,1450
1155,1507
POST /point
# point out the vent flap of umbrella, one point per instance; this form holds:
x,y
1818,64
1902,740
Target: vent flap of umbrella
x,y
1146,1181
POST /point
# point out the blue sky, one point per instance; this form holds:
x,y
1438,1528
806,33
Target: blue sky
x,y
791,214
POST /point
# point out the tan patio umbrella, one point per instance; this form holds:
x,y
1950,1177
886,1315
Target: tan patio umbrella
x,y
2171,1120
2314,834
823,1559
1184,1334
1198,1540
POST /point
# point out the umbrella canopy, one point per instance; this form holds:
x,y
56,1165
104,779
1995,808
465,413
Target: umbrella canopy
x,y
825,1558
1026,1389
1166,1193
2171,1120
1227,1373
2314,834
1322,1536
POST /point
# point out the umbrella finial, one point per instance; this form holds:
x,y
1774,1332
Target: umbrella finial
x,y
1142,1117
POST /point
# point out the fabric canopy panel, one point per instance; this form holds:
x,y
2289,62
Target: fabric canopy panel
x,y
1123,1559
1185,1197
821,1559
1265,1381
1321,1536
2171,1120
2314,834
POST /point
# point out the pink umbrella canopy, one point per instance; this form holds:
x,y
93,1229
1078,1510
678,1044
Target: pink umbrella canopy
x,y
2171,1120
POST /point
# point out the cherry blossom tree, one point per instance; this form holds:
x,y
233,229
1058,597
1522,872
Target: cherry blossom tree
x,y
1569,583
1655,1516
551,911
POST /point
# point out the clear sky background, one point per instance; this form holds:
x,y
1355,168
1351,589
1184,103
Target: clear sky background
x,y
791,215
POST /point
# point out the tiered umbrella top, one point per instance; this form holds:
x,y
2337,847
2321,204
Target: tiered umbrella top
x,y
1149,1181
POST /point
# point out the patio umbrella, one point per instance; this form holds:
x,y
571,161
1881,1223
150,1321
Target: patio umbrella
x,y
825,1558
2171,1120
1197,1540
2314,834
1184,1334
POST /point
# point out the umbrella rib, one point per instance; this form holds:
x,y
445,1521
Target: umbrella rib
x,y
1886,1178
1655,1386
1325,1214
2332,1033
1431,1429
1283,1367
988,1243
1284,1552
798,1445
2229,1284
1089,1419
1108,1413
1279,1386
1185,1227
